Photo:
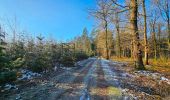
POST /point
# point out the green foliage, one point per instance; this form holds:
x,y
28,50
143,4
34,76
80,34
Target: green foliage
x,y
1,59
16,50
14,55
6,65
30,59
4,61
7,77
67,61
39,58
18,63
80,56
38,62
37,65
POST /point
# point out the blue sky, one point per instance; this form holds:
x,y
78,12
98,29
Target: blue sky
x,y
63,19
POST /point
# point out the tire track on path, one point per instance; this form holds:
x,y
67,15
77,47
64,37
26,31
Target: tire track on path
x,y
113,77
77,85
49,89
100,91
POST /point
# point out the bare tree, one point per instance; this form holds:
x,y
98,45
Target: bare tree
x,y
13,27
164,7
118,33
102,13
153,36
145,33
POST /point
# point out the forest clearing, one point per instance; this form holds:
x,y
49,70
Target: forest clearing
x,y
85,50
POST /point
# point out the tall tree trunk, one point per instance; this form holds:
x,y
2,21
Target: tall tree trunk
x,y
169,30
118,36
159,39
134,27
154,40
168,36
107,50
132,48
145,33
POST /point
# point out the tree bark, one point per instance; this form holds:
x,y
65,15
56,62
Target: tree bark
x,y
107,50
159,39
134,27
154,38
145,33
118,36
132,48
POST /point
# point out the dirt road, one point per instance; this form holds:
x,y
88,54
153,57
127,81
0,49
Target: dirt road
x,y
94,79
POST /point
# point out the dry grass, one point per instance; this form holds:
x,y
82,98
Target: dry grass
x,y
161,65
156,89
122,59
162,62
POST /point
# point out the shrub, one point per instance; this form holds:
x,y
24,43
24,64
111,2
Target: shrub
x,y
41,64
7,77
81,56
19,62
67,61
38,63
5,62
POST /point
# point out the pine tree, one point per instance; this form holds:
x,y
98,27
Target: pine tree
x,y
86,42
3,58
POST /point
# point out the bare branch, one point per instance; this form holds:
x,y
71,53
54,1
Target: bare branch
x,y
122,6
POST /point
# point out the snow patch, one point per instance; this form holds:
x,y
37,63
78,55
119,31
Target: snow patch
x,y
67,68
9,87
113,77
165,79
27,75
85,95
109,75
154,75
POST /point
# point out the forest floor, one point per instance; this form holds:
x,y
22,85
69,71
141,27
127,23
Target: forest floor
x,y
94,79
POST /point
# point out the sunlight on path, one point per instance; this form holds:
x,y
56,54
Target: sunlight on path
x,y
114,91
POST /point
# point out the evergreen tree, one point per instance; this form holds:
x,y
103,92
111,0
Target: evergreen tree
x,y
86,42
3,59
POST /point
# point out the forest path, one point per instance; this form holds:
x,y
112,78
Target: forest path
x,y
92,79
94,83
